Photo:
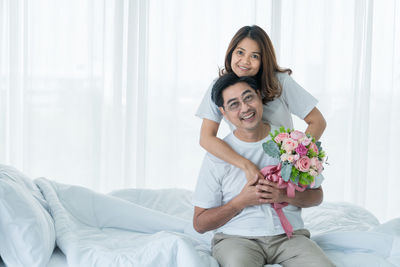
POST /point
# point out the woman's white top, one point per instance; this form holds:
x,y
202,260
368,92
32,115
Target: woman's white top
x,y
293,100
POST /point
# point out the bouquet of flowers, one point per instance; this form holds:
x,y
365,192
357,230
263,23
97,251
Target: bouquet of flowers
x,y
301,160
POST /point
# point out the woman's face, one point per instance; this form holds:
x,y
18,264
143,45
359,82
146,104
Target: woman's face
x,y
246,58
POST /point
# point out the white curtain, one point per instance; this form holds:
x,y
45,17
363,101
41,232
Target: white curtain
x,y
103,93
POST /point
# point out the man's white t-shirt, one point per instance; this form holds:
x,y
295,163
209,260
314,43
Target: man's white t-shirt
x,y
294,100
219,182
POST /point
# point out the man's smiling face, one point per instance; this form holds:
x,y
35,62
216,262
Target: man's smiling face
x,y
242,106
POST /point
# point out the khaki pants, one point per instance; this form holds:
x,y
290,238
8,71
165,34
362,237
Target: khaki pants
x,y
298,251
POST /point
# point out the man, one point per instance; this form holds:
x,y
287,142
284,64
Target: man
x,y
249,232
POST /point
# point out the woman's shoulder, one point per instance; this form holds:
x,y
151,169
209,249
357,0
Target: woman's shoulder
x,y
209,89
282,76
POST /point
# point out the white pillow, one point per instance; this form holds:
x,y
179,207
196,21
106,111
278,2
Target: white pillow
x,y
12,174
26,229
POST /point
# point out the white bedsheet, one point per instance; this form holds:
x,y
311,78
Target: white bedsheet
x,y
102,230
137,227
57,260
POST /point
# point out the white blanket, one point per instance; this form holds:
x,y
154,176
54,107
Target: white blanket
x,y
137,227
102,230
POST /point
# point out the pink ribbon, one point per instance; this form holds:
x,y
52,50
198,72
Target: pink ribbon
x,y
273,174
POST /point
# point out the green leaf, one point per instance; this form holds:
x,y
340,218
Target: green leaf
x,y
271,148
286,170
295,180
311,153
294,174
304,178
302,181
309,179
318,144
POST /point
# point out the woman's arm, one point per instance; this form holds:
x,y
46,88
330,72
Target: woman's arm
x,y
316,123
298,101
216,146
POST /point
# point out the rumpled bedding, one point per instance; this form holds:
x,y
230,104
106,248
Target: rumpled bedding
x,y
141,227
93,229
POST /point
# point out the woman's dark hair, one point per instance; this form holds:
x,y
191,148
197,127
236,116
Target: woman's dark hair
x,y
266,77
227,80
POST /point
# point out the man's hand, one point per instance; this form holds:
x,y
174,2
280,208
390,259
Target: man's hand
x,y
248,195
269,192
208,219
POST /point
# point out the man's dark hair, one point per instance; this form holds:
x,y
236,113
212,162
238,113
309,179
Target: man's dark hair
x,y
227,80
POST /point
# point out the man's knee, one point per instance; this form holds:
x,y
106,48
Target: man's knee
x,y
239,259
310,255
237,253
300,250
315,256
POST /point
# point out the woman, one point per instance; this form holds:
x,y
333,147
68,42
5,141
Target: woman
x,y
250,53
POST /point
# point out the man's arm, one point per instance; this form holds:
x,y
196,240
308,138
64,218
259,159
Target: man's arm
x,y
272,194
306,199
209,219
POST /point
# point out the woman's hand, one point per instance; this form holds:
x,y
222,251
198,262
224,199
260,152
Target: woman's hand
x,y
251,171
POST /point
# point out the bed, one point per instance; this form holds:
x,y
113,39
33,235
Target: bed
x,y
45,223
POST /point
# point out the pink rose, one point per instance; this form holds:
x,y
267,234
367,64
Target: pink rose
x,y
280,137
288,157
314,147
291,158
297,135
306,141
303,164
289,144
316,164
301,150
